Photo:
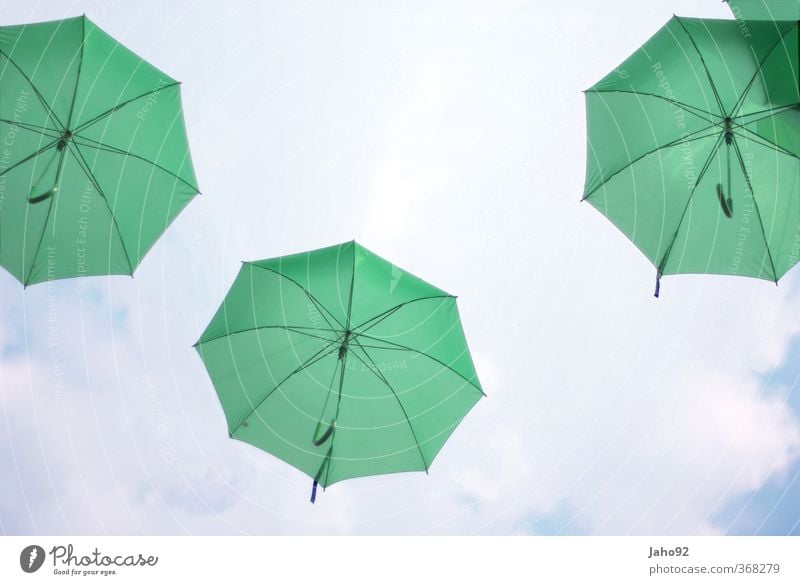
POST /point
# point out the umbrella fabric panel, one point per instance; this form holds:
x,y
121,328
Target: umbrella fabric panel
x,y
78,234
775,180
381,287
646,200
709,242
286,421
372,435
144,199
151,130
666,66
626,127
325,277
48,55
112,77
262,297
247,367
21,112
426,330
21,224
412,395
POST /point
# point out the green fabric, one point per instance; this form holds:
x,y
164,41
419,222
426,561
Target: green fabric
x,y
94,159
667,169
340,342
766,9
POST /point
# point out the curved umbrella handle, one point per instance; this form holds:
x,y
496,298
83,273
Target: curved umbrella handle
x,y
725,203
326,435
46,195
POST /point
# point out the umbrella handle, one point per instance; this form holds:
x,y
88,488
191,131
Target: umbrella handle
x,y
318,477
326,435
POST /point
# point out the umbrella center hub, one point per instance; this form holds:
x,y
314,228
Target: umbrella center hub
x,y
728,130
345,343
65,137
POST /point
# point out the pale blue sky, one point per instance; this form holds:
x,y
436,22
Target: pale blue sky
x,y
448,137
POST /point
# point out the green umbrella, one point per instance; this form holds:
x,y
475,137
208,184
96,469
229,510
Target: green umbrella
x,y
340,363
94,160
693,157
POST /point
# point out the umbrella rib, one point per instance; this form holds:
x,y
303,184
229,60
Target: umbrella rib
x,y
691,109
32,128
352,286
768,113
760,140
758,211
374,369
391,310
705,67
749,86
661,265
114,150
678,141
29,157
400,347
90,175
291,328
47,107
307,364
313,299
110,111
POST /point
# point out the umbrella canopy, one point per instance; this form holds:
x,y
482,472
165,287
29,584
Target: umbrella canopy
x,y
94,162
340,363
693,157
